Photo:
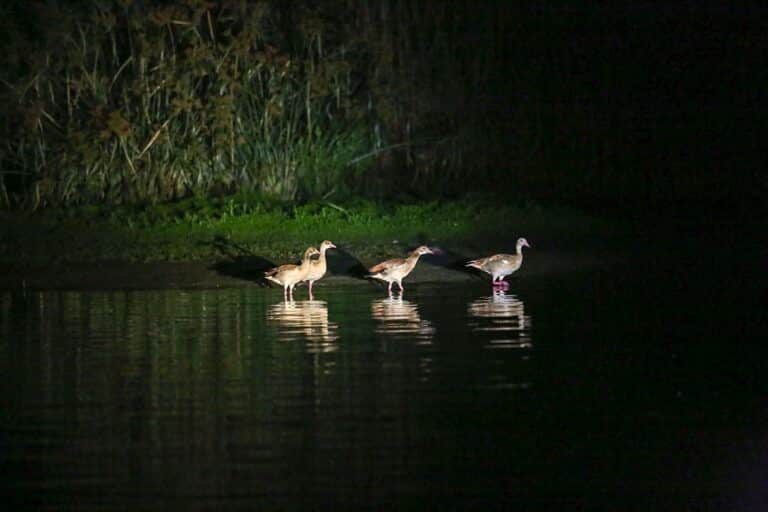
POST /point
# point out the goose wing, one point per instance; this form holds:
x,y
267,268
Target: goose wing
x,y
502,258
281,269
385,266
480,262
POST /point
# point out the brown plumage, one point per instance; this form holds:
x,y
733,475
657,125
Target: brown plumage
x,y
395,270
288,276
500,266
318,267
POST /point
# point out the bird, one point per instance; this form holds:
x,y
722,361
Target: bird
x,y
318,267
288,276
393,271
501,265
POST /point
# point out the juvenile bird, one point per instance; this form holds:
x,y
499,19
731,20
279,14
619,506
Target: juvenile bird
x,y
318,267
393,271
288,276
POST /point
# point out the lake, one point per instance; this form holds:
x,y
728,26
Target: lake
x,y
634,386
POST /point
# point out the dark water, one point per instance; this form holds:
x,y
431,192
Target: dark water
x,y
606,388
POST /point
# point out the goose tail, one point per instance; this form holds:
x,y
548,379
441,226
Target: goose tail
x,y
474,263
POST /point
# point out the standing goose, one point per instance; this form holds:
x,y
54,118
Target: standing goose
x,y
288,276
318,267
501,265
393,271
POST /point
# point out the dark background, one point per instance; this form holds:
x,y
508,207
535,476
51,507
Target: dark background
x,y
609,107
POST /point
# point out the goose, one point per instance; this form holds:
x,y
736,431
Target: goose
x,y
288,276
393,271
318,267
501,265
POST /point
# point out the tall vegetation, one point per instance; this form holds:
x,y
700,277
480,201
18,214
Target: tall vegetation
x,y
135,101
123,102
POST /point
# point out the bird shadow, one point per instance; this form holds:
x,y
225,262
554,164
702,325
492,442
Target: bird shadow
x,y
241,263
451,260
345,264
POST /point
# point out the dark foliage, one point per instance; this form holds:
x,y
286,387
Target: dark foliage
x,y
129,101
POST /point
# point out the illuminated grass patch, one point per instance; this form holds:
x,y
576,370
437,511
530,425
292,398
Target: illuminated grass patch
x,y
198,229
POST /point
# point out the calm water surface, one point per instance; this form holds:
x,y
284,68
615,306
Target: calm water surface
x,y
601,388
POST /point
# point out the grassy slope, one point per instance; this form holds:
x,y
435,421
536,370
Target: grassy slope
x,y
207,230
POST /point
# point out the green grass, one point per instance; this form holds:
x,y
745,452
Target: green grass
x,y
210,229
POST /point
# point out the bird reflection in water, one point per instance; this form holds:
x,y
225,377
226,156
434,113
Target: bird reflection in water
x,y
503,317
400,318
307,319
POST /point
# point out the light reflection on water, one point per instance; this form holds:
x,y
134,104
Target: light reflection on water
x,y
305,319
399,318
502,319
236,400
624,396
228,398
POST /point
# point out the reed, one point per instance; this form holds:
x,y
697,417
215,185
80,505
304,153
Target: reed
x,y
126,102
148,104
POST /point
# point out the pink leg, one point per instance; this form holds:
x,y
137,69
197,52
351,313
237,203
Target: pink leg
x,y
389,288
400,284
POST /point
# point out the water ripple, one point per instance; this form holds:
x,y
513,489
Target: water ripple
x,y
305,319
502,319
398,317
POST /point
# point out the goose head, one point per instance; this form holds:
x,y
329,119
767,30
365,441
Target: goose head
x,y
325,245
422,250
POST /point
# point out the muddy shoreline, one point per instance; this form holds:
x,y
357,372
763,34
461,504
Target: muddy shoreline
x,y
115,275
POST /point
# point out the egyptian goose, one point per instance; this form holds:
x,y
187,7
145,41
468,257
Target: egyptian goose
x,y
318,267
288,276
393,271
501,265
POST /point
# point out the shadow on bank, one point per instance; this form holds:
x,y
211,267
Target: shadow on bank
x,y
242,263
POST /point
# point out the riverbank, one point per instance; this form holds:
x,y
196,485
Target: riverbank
x,y
228,244
114,275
